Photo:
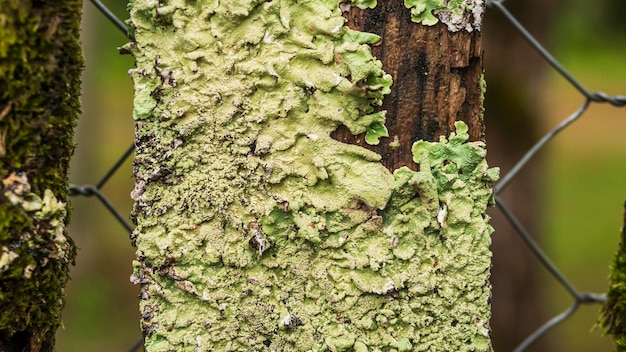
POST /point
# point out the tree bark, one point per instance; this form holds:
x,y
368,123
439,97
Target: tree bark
x,y
40,65
437,78
258,231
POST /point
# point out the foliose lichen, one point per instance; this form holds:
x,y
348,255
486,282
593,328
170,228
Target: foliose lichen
x,y
255,229
456,14
26,261
49,216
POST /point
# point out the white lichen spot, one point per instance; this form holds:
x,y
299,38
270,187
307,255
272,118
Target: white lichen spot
x,y
6,258
51,206
271,70
32,203
206,296
58,236
483,328
134,278
17,183
286,320
345,7
187,286
478,10
138,191
387,287
28,271
395,143
165,10
338,79
442,216
49,212
199,344
285,14
133,71
15,186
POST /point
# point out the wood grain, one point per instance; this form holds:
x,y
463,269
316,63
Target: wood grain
x,y
436,75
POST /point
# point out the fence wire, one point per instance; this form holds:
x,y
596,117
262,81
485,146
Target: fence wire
x,y
578,298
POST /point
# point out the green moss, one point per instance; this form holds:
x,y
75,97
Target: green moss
x,y
40,64
613,317
256,229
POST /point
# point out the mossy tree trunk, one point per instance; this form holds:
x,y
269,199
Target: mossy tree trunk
x,y
263,223
40,65
613,317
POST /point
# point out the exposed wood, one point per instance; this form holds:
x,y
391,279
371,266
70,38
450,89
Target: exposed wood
x,y
436,75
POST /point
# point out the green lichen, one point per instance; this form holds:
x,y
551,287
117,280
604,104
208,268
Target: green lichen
x,y
424,11
255,229
456,14
48,215
414,274
363,4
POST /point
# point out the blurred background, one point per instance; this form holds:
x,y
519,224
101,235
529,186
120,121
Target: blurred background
x,y
570,196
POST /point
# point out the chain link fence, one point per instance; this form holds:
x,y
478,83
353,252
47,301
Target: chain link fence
x,y
588,98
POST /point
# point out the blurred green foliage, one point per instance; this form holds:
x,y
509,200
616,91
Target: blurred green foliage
x,y
585,188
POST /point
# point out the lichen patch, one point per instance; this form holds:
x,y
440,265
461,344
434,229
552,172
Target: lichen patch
x,y
256,229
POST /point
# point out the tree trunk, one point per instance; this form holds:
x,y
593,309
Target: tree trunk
x,y
40,65
513,112
256,230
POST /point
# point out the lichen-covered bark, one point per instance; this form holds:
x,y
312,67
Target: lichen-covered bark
x,y
40,65
258,231
614,311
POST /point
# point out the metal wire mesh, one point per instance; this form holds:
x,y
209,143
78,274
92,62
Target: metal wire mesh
x,y
578,297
